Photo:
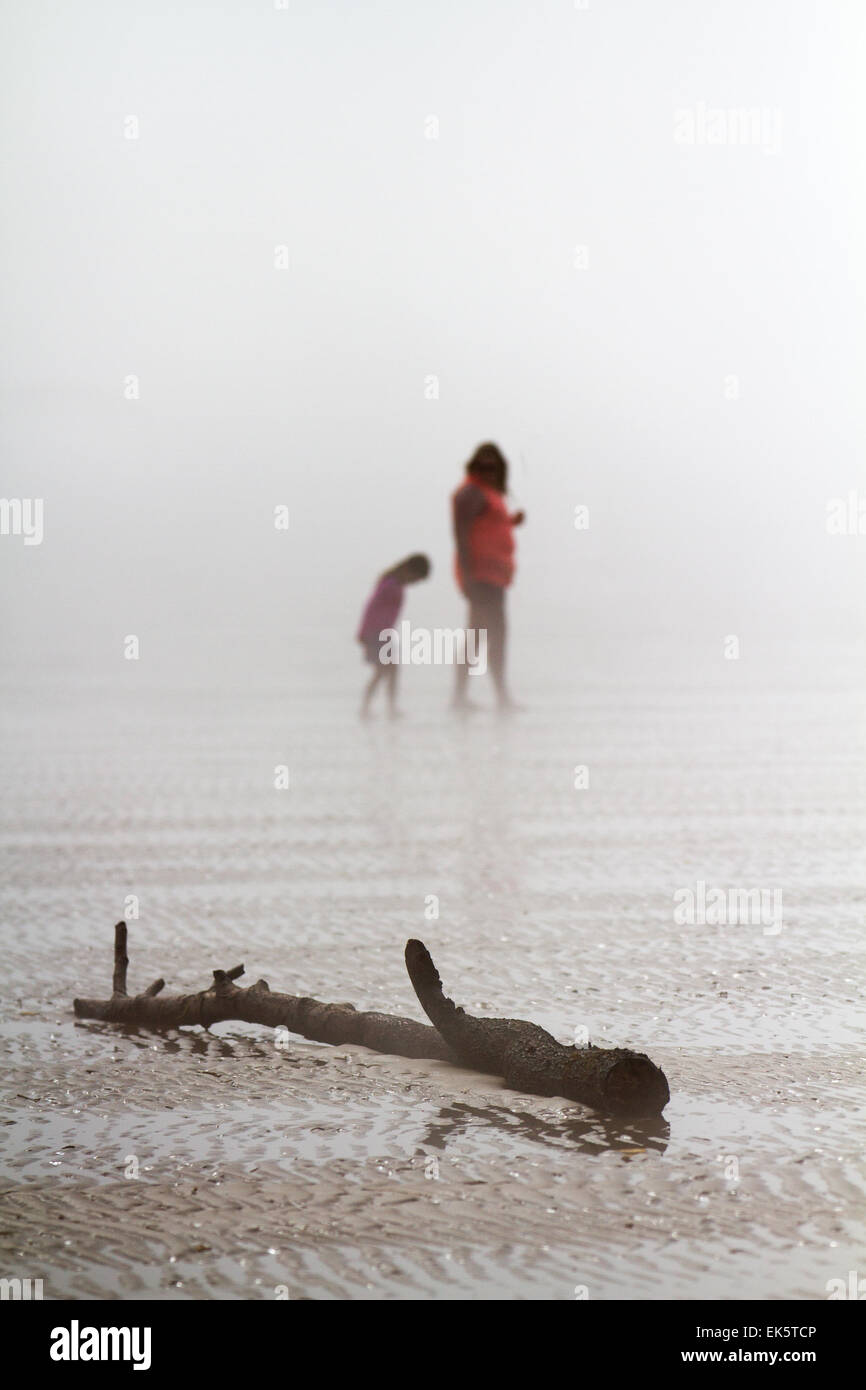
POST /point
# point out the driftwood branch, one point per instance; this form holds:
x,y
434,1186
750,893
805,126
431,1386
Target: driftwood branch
x,y
121,960
528,1058
224,1000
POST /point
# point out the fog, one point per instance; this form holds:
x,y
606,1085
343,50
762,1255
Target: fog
x,y
311,256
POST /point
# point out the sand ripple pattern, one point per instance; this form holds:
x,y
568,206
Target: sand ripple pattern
x,y
313,1172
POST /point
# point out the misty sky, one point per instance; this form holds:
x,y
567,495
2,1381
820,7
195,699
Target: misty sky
x,y
584,286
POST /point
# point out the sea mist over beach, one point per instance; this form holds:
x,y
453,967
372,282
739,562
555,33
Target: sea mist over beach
x,y
308,258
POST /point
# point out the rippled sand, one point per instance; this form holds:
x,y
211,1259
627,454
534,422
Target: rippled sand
x,y
315,1172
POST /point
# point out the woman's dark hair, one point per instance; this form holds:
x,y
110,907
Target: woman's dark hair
x,y
489,462
417,565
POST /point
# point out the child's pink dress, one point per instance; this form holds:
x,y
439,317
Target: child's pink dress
x,y
383,610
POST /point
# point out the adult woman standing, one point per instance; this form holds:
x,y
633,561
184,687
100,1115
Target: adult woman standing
x,y
485,560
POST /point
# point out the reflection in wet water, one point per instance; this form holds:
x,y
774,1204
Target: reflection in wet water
x,y
592,1134
589,1136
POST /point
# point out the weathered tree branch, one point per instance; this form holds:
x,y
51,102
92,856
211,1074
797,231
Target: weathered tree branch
x,y
121,960
528,1058
223,1001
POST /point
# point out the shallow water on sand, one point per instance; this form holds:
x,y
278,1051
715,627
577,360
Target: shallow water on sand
x,y
334,1172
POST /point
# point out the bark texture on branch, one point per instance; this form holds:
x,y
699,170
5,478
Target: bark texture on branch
x,y
528,1058
224,1001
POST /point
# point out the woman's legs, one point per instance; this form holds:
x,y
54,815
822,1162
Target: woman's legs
x,y
490,614
486,613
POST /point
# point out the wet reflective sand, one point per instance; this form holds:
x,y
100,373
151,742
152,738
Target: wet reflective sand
x,y
324,1172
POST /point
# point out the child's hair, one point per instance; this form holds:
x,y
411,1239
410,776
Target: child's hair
x,y
417,565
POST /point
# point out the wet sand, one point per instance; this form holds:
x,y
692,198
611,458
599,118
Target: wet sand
x,y
317,1172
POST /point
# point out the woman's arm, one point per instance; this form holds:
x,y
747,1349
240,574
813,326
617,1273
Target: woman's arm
x,y
469,503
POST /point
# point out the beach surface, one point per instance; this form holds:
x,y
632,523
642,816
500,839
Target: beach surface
x,y
235,1164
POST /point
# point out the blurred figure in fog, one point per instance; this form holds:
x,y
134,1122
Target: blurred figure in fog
x,y
485,561
382,611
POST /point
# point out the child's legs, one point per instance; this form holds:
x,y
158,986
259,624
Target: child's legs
x,y
378,673
391,684
382,671
379,670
